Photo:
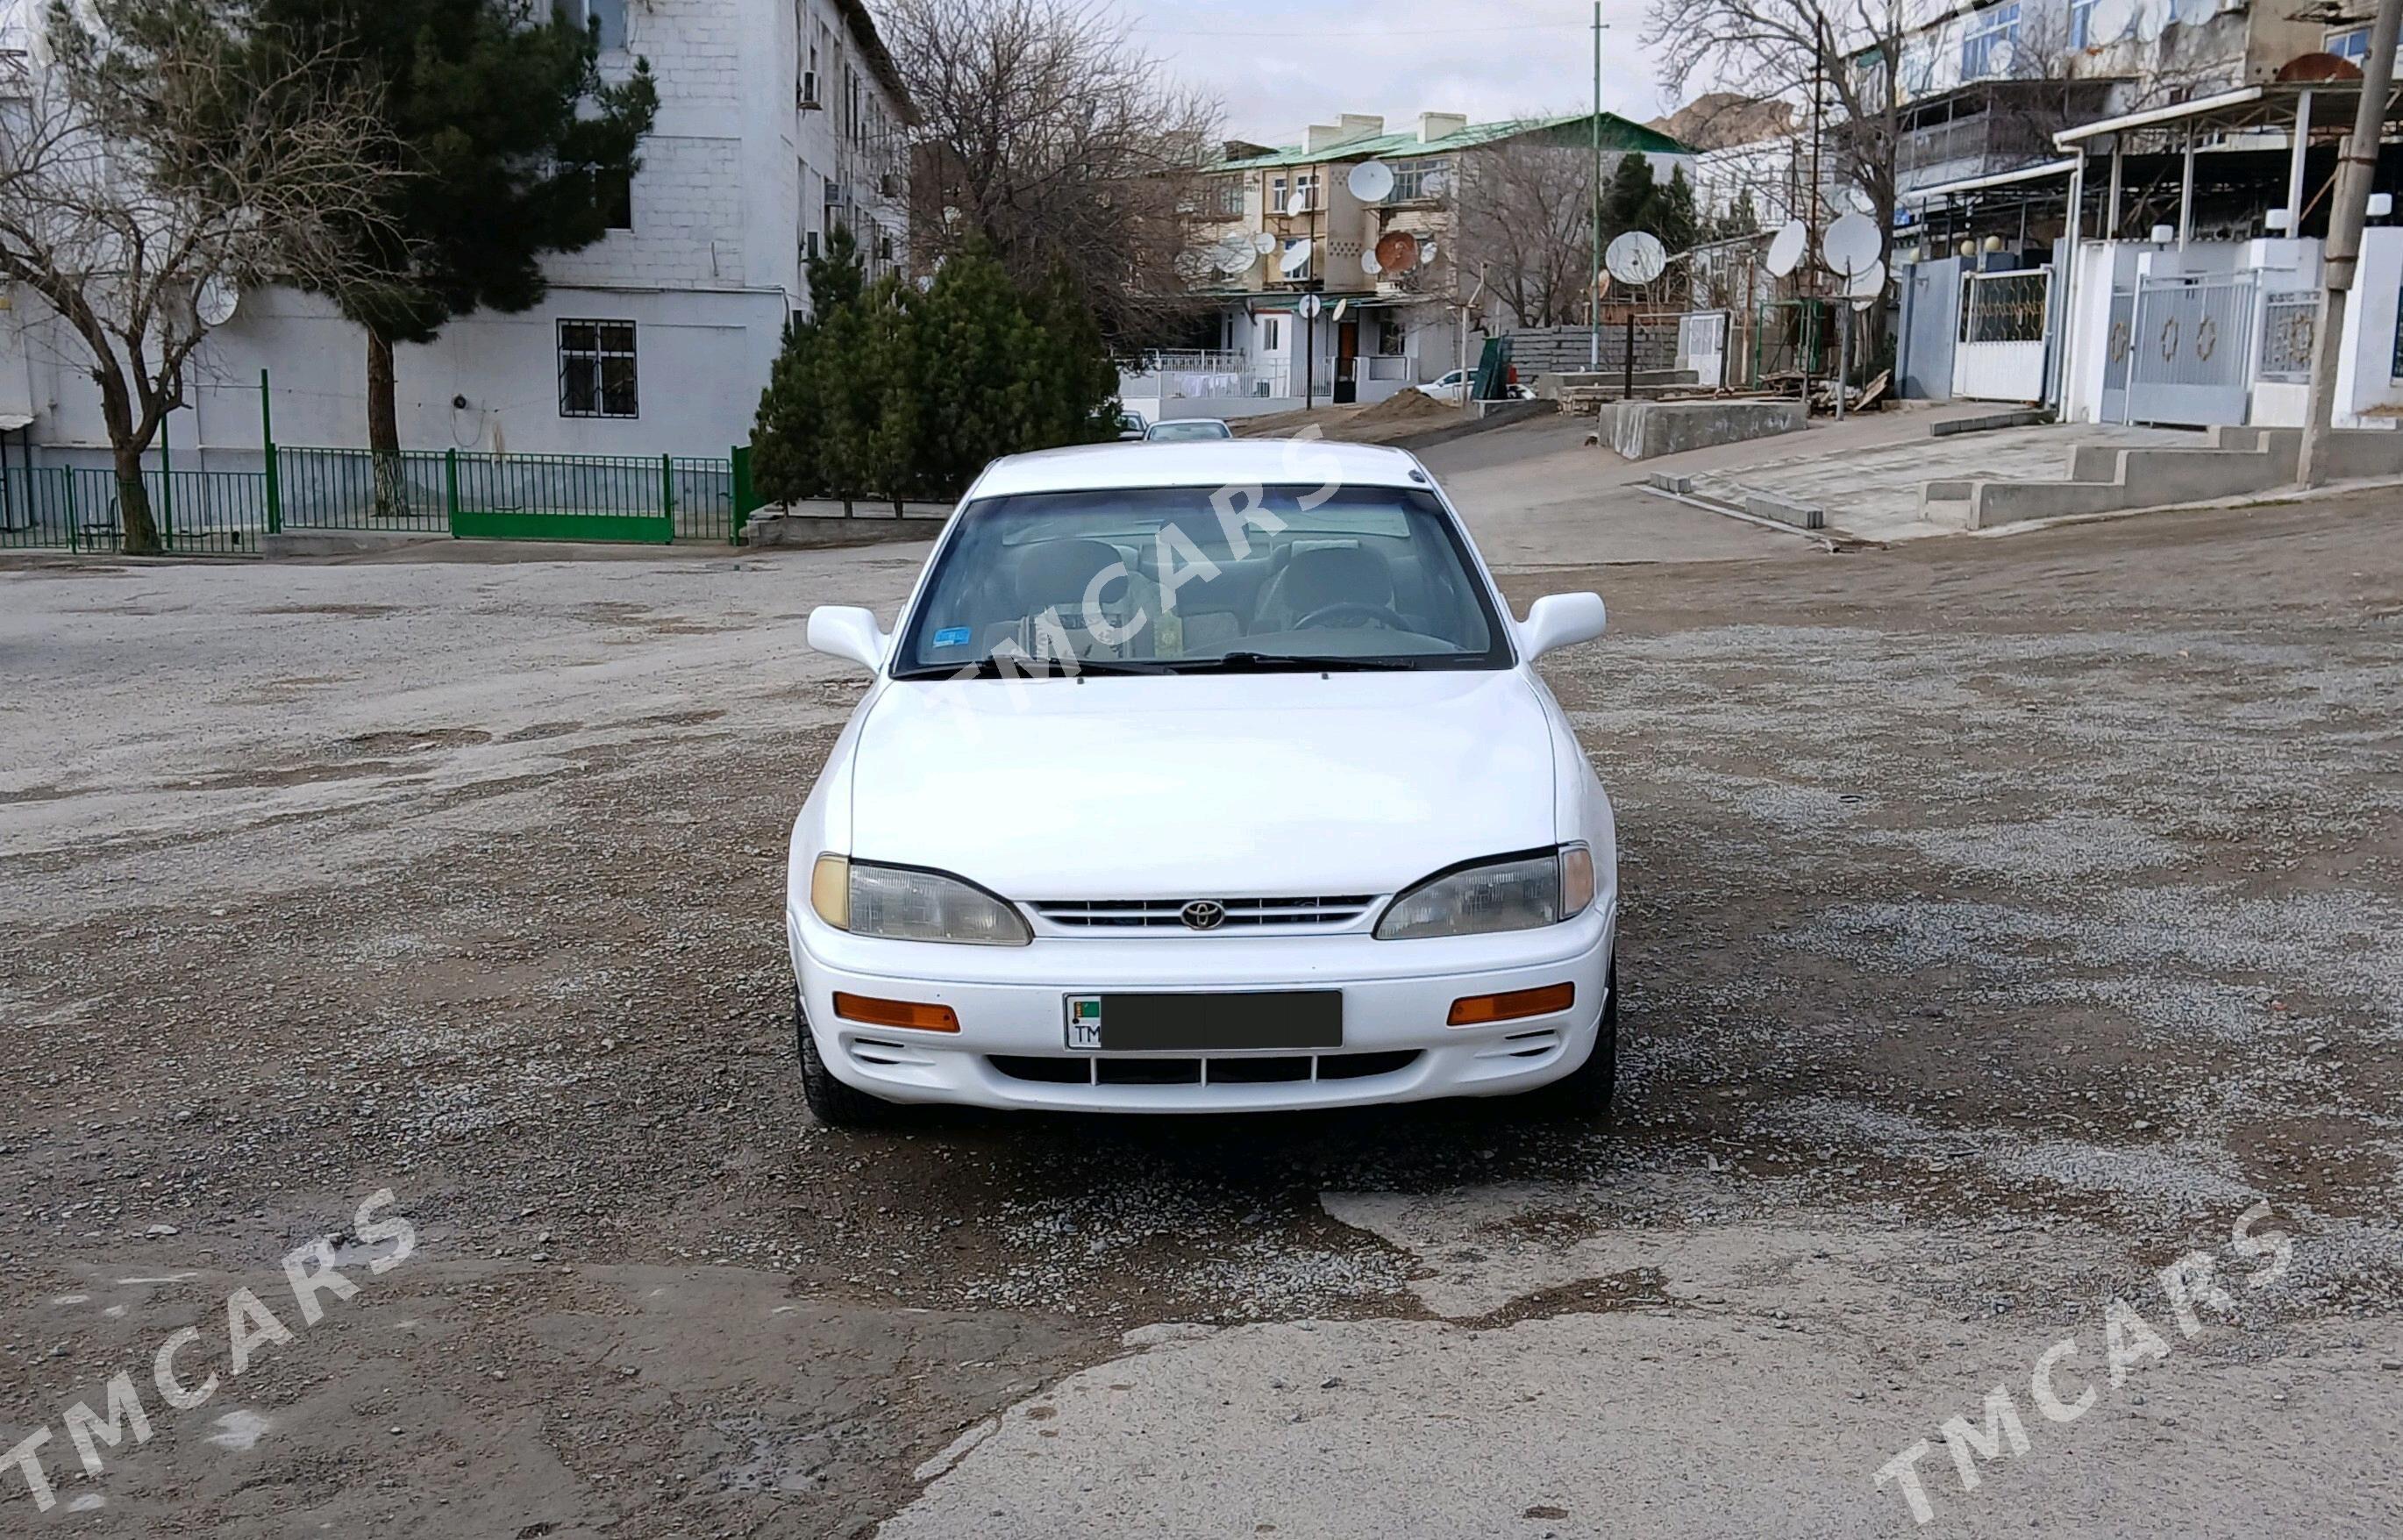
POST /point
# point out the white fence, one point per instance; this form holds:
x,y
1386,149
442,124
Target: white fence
x,y
1999,353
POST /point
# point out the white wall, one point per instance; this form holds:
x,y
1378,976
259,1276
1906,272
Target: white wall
x,y
708,275
699,361
2365,380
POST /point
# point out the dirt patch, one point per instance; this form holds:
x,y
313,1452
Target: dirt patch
x,y
1398,416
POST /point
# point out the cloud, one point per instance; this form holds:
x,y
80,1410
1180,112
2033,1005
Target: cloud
x,y
1279,64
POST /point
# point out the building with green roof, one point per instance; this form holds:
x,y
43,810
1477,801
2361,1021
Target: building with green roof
x,y
1378,248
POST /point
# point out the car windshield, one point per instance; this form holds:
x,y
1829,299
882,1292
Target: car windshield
x,y
1192,580
1161,431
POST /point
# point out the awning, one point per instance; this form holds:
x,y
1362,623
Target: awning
x,y
1999,179
1291,298
2268,106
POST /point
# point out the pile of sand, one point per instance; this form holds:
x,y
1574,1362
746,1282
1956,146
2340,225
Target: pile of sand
x,y
1398,416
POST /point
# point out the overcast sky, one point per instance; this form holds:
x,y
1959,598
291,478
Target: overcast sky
x,y
1279,64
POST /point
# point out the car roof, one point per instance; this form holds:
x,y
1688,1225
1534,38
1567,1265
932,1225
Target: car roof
x,y
1200,463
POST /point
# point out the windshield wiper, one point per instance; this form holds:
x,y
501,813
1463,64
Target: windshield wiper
x,y
1291,662
1046,668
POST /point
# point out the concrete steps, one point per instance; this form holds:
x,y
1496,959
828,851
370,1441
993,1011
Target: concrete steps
x,y
2233,463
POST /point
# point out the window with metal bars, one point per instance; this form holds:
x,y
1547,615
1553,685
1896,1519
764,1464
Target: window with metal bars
x,y
596,370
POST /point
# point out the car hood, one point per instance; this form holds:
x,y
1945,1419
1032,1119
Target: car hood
x,y
1246,785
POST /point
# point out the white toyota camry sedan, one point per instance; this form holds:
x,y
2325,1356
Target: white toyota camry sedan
x,y
1204,778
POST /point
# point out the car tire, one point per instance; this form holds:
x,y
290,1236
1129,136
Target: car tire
x,y
831,1101
1586,1090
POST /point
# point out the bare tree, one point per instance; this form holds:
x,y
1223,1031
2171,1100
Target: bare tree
x,y
1852,68
1842,60
1055,141
1525,218
152,153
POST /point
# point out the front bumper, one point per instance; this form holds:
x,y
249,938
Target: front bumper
x,y
1011,1004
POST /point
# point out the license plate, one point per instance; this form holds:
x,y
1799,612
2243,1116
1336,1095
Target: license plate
x,y
1290,1019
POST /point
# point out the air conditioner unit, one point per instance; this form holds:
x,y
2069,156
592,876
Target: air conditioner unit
x,y
806,98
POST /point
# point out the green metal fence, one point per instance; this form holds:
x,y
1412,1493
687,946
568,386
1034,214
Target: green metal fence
x,y
458,493
355,489
517,497
74,508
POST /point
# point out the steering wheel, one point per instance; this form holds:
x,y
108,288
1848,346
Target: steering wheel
x,y
1351,609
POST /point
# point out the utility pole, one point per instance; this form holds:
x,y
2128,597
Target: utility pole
x,y
2355,170
1593,288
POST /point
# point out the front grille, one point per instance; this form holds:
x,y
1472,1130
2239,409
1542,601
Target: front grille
x,y
1101,1069
1319,912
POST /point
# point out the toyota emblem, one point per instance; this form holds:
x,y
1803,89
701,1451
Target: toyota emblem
x,y
1205,914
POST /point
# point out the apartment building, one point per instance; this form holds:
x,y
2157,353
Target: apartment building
x,y
778,120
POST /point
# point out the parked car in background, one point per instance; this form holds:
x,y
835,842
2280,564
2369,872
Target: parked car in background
x,y
1189,430
1131,428
1456,387
1313,835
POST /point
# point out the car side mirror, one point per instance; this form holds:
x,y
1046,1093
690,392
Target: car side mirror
x,y
847,631
1560,621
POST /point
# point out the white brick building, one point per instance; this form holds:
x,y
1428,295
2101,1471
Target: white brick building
x,y
777,117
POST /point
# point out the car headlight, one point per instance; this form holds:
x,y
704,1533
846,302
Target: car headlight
x,y
1517,893
905,904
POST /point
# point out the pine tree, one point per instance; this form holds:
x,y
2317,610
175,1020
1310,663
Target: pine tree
x,y
1741,218
1671,215
978,387
884,390
794,445
513,144
1078,382
1627,198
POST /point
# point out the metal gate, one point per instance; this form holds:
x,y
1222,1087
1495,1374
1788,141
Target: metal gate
x,y
1702,346
2118,348
2190,350
2000,355
1931,325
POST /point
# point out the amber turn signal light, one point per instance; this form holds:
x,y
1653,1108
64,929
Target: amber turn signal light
x,y
1478,1011
898,1013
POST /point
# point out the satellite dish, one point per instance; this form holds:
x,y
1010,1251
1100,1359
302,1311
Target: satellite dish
x,y
1849,245
1396,251
1861,200
1635,257
217,302
1435,183
1866,284
1786,248
1296,258
1263,242
1426,253
1371,264
1342,306
1299,204
1310,307
1370,181
1234,256
2148,20
2109,21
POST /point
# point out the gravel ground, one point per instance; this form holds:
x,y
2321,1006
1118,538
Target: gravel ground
x,y
2004,919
